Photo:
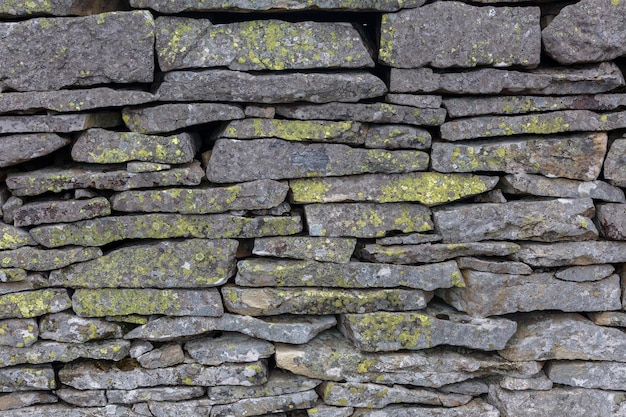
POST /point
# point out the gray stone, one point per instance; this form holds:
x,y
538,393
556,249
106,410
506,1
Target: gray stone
x,y
229,347
27,378
57,7
585,273
476,408
539,382
609,318
571,253
415,100
12,237
603,375
32,282
409,239
117,54
190,263
190,408
474,387
18,332
323,249
397,137
270,405
9,208
165,6
30,304
170,117
487,294
518,268
62,410
149,394
61,211
163,357
493,196
34,259
575,156
65,327
235,86
140,167
612,221
90,398
19,400
21,148
12,275
323,410
500,37
139,347
247,160
63,123
615,163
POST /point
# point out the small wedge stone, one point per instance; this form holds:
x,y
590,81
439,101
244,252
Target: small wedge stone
x,y
327,249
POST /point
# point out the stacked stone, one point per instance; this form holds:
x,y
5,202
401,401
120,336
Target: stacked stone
x,y
368,208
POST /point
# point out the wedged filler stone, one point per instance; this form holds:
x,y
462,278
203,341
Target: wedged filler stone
x,y
273,273
476,408
57,7
589,31
331,357
69,328
236,86
120,51
572,253
274,301
12,237
235,160
29,304
322,249
12,275
294,330
13,401
612,221
63,123
564,336
35,259
163,357
409,239
156,393
89,398
609,318
323,410
537,185
487,294
18,332
21,148
428,188
577,156
61,211
165,6
27,378
171,117
397,137
598,374
267,405
63,410
229,347
544,221
189,408
33,281
366,219
585,273
496,267
495,36
539,382
474,387
615,163
120,302
103,230
590,79
259,45
106,147
426,101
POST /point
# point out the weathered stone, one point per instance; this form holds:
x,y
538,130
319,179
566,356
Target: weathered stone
x,y
163,357
570,253
235,86
33,259
323,410
8,208
170,117
539,382
138,167
615,163
32,282
397,137
258,45
20,148
562,336
589,79
544,221
493,196
117,54
190,263
273,5
585,273
487,294
190,408
612,221
500,37
576,156
603,375
139,347
609,318
157,393
476,408
69,328
59,179
18,332
366,219
274,301
111,302
57,7
106,147
409,239
273,273
89,398
27,378
332,358
428,188
294,330
63,123
263,112
326,249
538,185
12,237
62,410
103,230
33,303
415,100
474,387
273,404
247,160
61,211
24,399
229,347
518,268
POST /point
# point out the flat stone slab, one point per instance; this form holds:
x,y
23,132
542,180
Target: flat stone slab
x,y
615,163
496,267
580,156
612,221
270,405
57,7
274,301
14,401
499,37
487,294
49,60
62,410
272,5
258,45
539,382
88,398
12,275
599,374
35,259
154,393
62,211
247,160
29,304
392,136
409,239
120,302
22,148
571,253
585,273
18,333
33,281
12,237
322,249
63,123
235,86
228,347
162,357
69,328
27,378
416,100
428,188
366,220
476,408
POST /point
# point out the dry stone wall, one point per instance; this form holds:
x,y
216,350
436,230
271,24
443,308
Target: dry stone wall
x,y
323,208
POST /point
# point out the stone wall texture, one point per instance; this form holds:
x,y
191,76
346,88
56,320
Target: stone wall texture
x,y
321,208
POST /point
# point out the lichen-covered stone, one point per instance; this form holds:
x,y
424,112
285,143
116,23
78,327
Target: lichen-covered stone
x,y
49,58
29,304
585,273
326,249
63,410
35,259
476,408
612,221
189,408
270,405
138,167
13,401
229,347
397,137
409,239
572,253
21,148
12,237
61,211
27,378
69,328
18,332
615,163
497,267
63,123
33,281
164,6
89,398
156,393
598,374
323,410
57,7
163,357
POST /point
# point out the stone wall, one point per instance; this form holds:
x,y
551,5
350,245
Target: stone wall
x,y
323,208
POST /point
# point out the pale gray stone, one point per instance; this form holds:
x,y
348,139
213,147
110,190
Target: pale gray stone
x,y
493,196
36,303
139,347
615,163
34,281
162,357
18,332
27,378
585,273
572,253
476,408
142,409
21,148
474,387
63,410
476,264
228,347
165,6
323,249
612,221
156,393
12,237
323,410
415,100
137,167
35,259
63,123
409,239
57,7
69,328
609,318
12,275
61,211
539,382
599,374
19,400
9,208
270,405
81,398
397,137
190,408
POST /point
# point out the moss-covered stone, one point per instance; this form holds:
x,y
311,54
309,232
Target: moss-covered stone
x,y
33,303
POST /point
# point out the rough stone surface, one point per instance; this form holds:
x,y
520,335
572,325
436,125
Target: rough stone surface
x,y
12,275
275,5
29,304
64,123
323,410
476,408
18,332
409,239
476,264
570,253
163,357
12,237
66,211
600,374
615,163
27,378
270,405
609,318
57,7
65,327
415,100
539,382
33,281
91,398
156,393
62,410
585,273
24,399
34,259
327,249
21,148
397,137
229,347
612,221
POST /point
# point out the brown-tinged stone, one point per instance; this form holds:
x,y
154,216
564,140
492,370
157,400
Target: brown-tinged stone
x,y
323,249
598,374
165,6
27,378
572,253
615,163
609,318
612,221
61,211
228,347
163,357
58,7
21,148
81,398
63,123
35,259
29,304
13,401
496,267
172,394
585,273
69,328
18,332
12,237
262,112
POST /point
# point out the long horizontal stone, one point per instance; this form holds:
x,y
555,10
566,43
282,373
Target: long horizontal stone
x,y
247,160
615,163
29,304
141,395
69,328
235,86
257,45
34,281
497,267
575,156
27,378
572,253
270,405
35,259
274,301
121,302
228,347
61,211
598,374
500,37
428,188
392,136
18,332
88,398
21,148
63,410
12,275
426,101
189,408
328,249
57,7
19,400
63,123
487,294
104,230
121,52
476,408
165,6
12,237
274,273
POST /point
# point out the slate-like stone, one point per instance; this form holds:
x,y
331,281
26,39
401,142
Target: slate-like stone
x,y
164,6
27,378
163,357
585,273
69,328
156,393
366,220
12,237
397,137
62,410
266,405
474,387
35,259
57,7
120,51
496,36
496,267
189,408
274,273
170,117
34,281
539,382
257,45
229,347
600,374
21,148
18,332
274,301
12,275
29,304
63,123
612,221
19,400
571,253
89,398
138,167
409,239
476,408
235,160
487,294
61,211
563,336
235,86
428,188
576,156
323,410
415,100
326,249
615,163
11,204
609,318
